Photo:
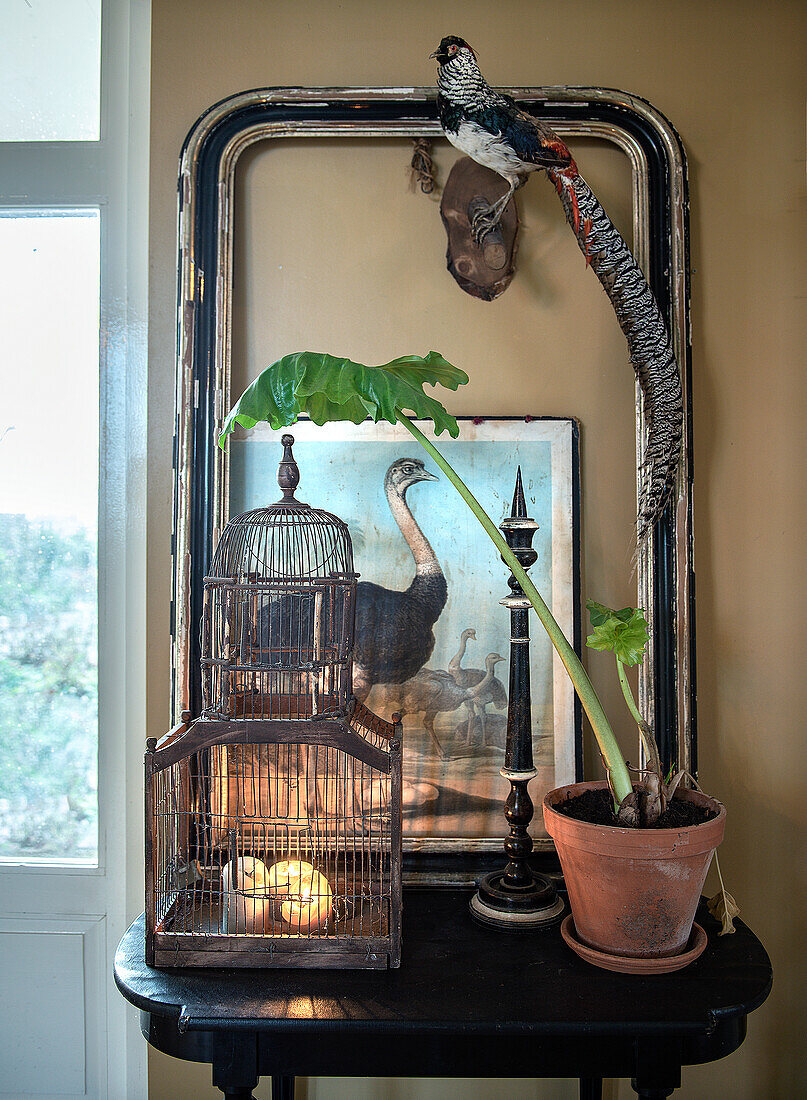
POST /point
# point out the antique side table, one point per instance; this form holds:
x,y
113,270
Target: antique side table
x,y
468,1001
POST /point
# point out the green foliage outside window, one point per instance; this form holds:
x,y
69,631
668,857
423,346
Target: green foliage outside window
x,y
48,691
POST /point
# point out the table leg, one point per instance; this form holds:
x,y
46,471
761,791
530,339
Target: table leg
x,y
235,1064
282,1088
651,1093
591,1088
658,1067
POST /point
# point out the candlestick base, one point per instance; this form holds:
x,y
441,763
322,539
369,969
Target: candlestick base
x,y
519,909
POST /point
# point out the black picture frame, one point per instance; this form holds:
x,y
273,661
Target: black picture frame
x,y
661,234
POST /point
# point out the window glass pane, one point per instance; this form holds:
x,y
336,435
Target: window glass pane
x,y
50,70
49,422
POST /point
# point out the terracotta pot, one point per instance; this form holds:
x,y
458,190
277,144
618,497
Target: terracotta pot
x,y
633,892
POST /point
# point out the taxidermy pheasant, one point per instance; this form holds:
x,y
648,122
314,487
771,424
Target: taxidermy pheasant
x,y
495,132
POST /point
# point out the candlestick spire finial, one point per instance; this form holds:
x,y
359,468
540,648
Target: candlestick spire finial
x,y
519,506
518,899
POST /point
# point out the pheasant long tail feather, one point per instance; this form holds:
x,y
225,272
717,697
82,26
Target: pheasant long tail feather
x,y
648,342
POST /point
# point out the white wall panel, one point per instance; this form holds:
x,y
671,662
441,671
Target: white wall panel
x,y
52,977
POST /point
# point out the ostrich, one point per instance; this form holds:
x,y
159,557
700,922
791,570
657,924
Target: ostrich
x,y
455,664
494,694
432,692
394,636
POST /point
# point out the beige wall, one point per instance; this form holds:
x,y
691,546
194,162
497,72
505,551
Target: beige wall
x,y
363,274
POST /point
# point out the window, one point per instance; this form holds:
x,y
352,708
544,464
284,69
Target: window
x,y
55,179
49,379
73,308
50,79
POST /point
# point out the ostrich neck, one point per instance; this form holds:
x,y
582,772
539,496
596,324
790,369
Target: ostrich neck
x,y
455,664
425,558
483,683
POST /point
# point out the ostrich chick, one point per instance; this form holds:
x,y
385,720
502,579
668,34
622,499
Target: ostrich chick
x,y
494,694
434,692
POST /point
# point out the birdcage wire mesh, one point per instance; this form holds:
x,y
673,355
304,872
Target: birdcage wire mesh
x,y
276,842
285,541
277,619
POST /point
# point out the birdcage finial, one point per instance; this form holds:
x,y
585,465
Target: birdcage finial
x,y
288,473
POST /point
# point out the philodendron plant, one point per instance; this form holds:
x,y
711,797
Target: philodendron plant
x,y
326,389
624,633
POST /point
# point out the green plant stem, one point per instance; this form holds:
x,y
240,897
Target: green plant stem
x,y
620,777
644,730
626,691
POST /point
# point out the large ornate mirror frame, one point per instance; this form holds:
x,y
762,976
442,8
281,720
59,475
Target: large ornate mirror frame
x,y
206,213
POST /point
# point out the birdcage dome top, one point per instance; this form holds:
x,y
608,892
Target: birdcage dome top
x,y
287,540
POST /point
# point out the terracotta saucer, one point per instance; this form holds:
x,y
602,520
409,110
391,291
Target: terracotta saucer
x,y
623,965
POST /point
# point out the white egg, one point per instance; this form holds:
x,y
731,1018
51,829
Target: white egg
x,y
247,908
309,899
301,893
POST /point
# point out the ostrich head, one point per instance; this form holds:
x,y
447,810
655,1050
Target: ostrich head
x,y
403,473
469,633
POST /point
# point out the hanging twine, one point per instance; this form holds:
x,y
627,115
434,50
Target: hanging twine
x,y
421,167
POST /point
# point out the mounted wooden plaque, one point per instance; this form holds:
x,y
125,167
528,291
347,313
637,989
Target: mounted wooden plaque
x,y
486,271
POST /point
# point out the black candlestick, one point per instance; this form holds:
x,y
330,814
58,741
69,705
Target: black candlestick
x,y
517,899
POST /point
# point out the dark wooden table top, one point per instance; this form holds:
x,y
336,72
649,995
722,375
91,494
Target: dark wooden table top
x,y
530,999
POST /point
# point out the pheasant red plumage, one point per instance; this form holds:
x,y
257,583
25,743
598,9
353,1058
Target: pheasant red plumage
x,y
562,177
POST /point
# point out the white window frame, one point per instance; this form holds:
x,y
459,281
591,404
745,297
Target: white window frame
x,y
112,175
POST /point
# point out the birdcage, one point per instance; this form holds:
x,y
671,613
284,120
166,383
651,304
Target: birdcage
x,y
273,820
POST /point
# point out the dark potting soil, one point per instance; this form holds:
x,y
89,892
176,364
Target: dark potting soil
x,y
597,808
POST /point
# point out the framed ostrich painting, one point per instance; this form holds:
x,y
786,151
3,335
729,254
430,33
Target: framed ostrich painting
x,y
432,640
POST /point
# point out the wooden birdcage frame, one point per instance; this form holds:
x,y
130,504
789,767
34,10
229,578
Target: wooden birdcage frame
x,y
273,820
353,839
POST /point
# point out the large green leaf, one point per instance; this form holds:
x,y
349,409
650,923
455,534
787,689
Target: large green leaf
x,y
328,388
623,633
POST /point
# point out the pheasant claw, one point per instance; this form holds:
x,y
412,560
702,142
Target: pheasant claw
x,y
486,231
